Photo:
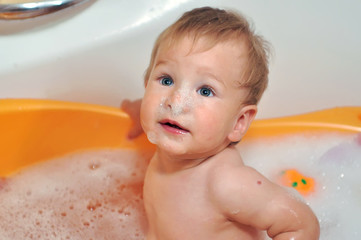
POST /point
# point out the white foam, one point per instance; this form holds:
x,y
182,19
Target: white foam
x,y
333,160
152,137
183,102
97,195
180,103
91,195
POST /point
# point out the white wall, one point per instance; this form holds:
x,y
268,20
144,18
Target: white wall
x,y
97,52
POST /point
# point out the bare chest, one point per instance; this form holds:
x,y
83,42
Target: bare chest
x,y
178,194
181,209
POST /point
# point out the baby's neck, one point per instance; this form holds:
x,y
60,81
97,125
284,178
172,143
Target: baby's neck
x,y
167,163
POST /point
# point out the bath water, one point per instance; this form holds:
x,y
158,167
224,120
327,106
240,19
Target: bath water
x,y
98,194
332,160
91,195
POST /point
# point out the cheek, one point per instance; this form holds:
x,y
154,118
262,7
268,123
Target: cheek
x,y
210,123
147,111
151,107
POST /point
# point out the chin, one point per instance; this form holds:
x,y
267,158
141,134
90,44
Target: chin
x,y
172,148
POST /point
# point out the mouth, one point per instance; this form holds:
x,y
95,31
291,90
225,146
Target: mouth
x,y
173,127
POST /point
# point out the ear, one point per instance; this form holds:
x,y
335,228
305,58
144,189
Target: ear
x,y
244,120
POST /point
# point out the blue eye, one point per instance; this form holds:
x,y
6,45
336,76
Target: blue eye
x,y
166,81
206,92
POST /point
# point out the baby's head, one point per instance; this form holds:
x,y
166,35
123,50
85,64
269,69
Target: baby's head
x,y
207,73
215,26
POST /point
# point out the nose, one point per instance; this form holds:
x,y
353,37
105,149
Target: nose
x,y
173,99
178,102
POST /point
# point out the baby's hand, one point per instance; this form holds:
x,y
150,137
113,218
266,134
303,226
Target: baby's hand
x,y
132,108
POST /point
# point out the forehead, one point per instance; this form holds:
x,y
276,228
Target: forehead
x,y
191,43
227,58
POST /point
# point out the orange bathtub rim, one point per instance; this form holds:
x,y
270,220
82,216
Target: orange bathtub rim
x,y
34,130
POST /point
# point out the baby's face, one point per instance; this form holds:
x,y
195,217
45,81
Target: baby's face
x,y
192,100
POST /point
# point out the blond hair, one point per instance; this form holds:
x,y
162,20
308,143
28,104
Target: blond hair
x,y
219,26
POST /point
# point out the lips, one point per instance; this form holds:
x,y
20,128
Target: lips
x,y
173,127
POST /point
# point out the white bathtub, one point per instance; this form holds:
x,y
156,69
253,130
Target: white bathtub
x,y
97,52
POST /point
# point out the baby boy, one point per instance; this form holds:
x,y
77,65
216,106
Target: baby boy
x,y
206,75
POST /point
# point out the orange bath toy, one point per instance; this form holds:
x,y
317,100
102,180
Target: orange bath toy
x,y
293,178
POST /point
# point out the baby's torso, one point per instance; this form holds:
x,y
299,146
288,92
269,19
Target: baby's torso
x,y
180,206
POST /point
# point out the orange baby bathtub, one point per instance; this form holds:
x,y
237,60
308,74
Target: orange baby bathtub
x,y
36,130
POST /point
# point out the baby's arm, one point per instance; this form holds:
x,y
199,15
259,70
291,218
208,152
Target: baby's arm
x,y
132,108
247,197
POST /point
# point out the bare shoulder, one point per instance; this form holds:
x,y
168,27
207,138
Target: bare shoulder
x,y
244,195
230,173
234,185
232,178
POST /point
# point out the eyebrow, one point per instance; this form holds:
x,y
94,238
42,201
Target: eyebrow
x,y
204,71
161,62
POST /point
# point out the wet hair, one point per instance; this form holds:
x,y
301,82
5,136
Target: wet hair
x,y
216,26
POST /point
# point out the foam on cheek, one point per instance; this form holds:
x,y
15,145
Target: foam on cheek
x,y
152,137
162,106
